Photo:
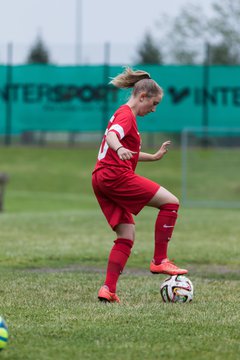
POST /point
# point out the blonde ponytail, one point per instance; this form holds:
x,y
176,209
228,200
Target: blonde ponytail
x,y
139,80
128,78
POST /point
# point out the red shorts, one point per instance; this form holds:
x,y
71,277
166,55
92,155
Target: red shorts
x,y
121,193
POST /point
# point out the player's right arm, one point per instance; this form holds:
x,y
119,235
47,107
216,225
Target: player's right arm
x,y
114,143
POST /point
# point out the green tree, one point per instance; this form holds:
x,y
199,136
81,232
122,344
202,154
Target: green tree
x,y
187,34
223,54
38,54
148,51
225,29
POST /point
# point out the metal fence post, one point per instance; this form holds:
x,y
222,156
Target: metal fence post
x,y
8,125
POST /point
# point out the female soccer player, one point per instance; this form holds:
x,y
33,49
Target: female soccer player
x,y
121,192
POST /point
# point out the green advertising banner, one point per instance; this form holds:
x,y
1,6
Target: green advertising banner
x,y
79,98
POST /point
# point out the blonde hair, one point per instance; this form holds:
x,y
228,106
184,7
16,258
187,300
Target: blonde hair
x,y
139,80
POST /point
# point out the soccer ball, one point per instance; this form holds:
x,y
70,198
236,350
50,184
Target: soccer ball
x,y
3,334
177,289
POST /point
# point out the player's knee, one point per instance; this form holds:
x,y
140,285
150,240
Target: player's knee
x,y
170,203
126,231
175,200
171,199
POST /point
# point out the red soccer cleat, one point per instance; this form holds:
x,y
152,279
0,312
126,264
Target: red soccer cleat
x,y
167,267
105,295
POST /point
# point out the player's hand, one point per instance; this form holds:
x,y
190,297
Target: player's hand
x,y
162,151
125,154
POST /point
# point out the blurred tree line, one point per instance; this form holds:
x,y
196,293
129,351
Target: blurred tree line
x,y
191,37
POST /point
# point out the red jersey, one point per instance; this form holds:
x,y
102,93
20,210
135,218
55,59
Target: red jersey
x,y
123,124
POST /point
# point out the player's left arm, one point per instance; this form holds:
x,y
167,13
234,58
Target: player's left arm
x,y
157,156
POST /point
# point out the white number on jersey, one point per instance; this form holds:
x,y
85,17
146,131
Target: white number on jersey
x,y
104,145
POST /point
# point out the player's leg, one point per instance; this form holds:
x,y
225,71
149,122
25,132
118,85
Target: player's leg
x,y
164,226
121,221
117,260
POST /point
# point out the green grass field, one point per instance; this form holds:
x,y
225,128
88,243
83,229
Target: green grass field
x,y
211,176
54,247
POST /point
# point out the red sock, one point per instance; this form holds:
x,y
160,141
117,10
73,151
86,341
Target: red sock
x,y
164,227
117,260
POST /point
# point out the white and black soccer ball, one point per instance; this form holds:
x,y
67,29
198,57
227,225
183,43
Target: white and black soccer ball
x,y
177,289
